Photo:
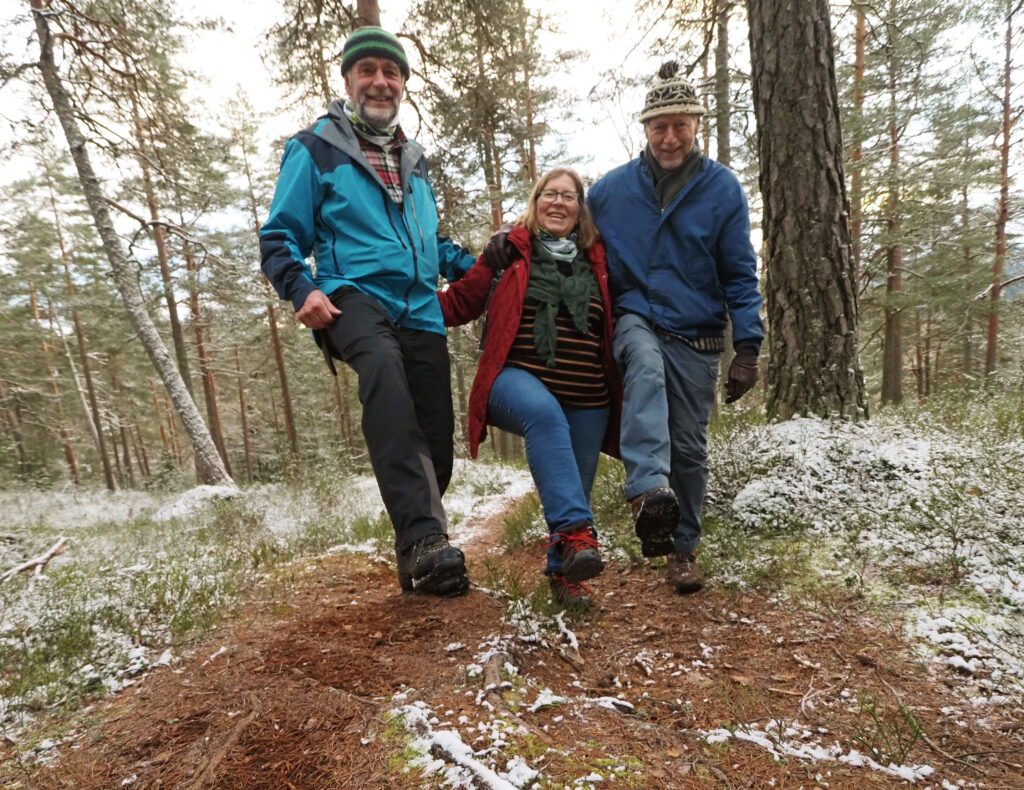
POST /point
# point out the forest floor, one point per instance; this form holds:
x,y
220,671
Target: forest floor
x,y
330,677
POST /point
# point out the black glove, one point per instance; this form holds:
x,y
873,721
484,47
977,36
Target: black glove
x,y
500,252
742,374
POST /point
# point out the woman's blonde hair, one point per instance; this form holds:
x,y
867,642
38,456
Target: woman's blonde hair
x,y
586,231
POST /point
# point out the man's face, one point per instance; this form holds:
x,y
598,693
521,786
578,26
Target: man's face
x,y
671,137
375,86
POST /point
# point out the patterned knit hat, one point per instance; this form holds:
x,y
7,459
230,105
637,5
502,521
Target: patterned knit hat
x,y
373,42
671,94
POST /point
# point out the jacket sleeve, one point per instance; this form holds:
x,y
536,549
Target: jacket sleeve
x,y
465,299
453,259
737,271
288,235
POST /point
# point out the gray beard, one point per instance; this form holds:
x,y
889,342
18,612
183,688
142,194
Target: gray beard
x,y
378,119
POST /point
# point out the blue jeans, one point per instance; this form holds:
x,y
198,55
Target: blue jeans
x,y
562,447
669,393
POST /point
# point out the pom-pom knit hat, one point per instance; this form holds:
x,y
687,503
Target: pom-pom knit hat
x,y
671,94
373,42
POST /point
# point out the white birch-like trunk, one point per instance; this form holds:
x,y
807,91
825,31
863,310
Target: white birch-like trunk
x,y
209,467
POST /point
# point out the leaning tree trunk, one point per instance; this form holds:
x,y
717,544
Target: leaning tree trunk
x,y
811,289
209,468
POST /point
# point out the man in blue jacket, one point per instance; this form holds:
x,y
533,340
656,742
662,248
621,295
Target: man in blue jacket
x,y
353,191
680,261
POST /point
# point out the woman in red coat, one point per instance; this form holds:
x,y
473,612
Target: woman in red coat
x,y
546,372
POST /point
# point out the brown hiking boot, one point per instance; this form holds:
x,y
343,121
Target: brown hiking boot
x,y
572,596
655,515
684,574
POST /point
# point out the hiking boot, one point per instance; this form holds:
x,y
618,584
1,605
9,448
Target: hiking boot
x,y
684,574
432,565
655,515
574,596
580,557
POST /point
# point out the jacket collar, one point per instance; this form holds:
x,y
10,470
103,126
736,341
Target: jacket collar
x,y
647,177
338,131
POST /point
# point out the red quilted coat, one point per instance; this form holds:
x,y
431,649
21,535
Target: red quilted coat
x,y
465,300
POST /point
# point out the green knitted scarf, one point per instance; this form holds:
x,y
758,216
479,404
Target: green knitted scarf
x,y
550,288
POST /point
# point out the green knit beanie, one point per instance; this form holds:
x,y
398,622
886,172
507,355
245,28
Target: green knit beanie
x,y
373,42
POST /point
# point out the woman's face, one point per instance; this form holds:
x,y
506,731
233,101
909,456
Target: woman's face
x,y
558,206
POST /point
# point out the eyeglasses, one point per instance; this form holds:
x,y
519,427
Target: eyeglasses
x,y
569,198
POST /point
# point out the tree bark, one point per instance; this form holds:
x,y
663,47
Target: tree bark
x,y
286,397
208,464
723,144
275,335
857,152
892,340
65,436
157,231
1003,212
12,421
723,96
91,409
243,411
810,285
367,13
205,368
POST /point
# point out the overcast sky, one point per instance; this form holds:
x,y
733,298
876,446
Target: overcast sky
x,y
231,61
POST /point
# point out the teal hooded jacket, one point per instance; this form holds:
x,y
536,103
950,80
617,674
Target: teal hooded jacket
x,y
331,203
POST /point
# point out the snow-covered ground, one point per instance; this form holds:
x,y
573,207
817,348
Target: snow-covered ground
x,y
922,519
139,567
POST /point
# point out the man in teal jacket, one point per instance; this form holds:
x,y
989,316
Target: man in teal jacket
x,y
354,192
677,233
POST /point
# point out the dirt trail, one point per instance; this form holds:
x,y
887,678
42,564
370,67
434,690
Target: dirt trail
x,y
295,693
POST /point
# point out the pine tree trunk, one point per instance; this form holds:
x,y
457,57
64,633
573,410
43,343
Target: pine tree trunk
x,y
723,95
275,336
157,231
919,362
65,436
94,406
892,342
205,368
811,288
208,464
367,13
90,406
530,164
1003,212
243,411
164,435
113,450
857,152
723,142
12,422
286,398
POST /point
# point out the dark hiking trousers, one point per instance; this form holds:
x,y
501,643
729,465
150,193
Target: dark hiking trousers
x,y
408,420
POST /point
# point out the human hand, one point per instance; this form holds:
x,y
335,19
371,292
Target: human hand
x,y
317,312
500,252
742,375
